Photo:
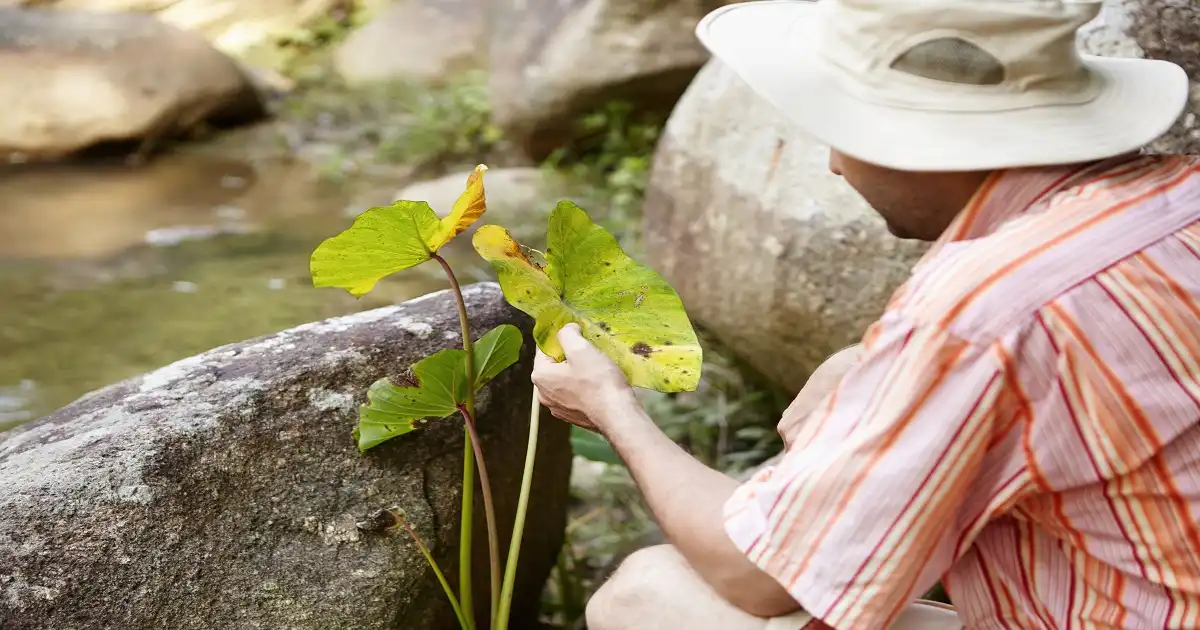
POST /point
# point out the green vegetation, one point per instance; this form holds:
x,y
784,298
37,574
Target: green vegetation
x,y
398,125
582,274
613,155
727,422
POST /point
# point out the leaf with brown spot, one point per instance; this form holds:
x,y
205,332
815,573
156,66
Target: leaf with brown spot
x,y
623,307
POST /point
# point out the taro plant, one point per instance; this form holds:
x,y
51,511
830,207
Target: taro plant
x,y
626,309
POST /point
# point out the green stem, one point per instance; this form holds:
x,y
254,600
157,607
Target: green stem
x,y
458,612
468,488
514,550
489,513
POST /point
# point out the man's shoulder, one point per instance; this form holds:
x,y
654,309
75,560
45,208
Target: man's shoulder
x,y
981,289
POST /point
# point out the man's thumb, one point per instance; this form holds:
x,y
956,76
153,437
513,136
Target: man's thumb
x,y
570,337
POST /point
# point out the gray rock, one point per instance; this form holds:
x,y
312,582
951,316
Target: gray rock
x,y
1155,29
418,40
223,491
73,79
552,60
782,260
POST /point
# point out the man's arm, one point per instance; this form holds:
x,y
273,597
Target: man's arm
x,y
860,515
688,499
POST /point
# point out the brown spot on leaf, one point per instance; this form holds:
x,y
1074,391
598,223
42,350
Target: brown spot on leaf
x,y
604,326
642,349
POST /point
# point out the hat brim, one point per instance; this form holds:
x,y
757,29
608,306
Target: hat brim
x,y
769,44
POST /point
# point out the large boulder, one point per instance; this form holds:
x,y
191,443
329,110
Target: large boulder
x,y
1155,29
782,260
553,60
225,491
417,40
75,79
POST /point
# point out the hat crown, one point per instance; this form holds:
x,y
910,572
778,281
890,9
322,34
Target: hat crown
x,y
917,51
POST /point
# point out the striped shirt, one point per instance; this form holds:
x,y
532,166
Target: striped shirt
x,y
1023,423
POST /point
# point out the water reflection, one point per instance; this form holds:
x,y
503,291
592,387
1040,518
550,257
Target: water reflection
x,y
107,272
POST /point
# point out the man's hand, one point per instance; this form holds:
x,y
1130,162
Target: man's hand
x,y
687,497
581,388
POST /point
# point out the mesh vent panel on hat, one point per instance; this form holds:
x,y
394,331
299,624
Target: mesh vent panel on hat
x,y
951,59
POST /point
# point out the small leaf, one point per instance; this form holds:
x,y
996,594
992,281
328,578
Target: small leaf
x,y
494,352
623,307
385,240
440,387
593,447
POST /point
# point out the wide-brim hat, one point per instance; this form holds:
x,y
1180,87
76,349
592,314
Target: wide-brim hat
x,y
946,85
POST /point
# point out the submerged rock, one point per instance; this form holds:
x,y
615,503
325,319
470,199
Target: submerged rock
x,y
73,79
225,491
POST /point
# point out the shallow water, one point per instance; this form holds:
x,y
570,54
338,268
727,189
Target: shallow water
x,y
108,271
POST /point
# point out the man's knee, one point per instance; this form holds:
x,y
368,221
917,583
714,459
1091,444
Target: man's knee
x,y
636,589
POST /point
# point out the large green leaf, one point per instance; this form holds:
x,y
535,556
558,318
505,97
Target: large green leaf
x,y
437,387
623,307
385,240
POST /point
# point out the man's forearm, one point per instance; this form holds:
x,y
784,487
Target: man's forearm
x,y
688,499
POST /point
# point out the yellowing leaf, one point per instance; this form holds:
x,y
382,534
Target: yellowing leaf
x,y
385,240
623,307
467,210
438,387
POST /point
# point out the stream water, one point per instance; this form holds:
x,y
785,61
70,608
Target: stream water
x,y
108,271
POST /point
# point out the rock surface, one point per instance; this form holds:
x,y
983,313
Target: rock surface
x,y
1155,29
553,60
418,40
75,79
782,260
223,491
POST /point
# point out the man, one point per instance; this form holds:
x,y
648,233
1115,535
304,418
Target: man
x,y
1023,422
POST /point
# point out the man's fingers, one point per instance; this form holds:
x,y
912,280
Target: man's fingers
x,y
545,367
570,337
543,361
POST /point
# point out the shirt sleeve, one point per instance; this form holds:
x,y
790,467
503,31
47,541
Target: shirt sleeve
x,y
859,514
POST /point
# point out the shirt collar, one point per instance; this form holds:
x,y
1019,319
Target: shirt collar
x,y
1007,193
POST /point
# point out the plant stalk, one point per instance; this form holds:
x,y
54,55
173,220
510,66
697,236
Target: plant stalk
x,y
468,489
514,550
489,513
458,612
